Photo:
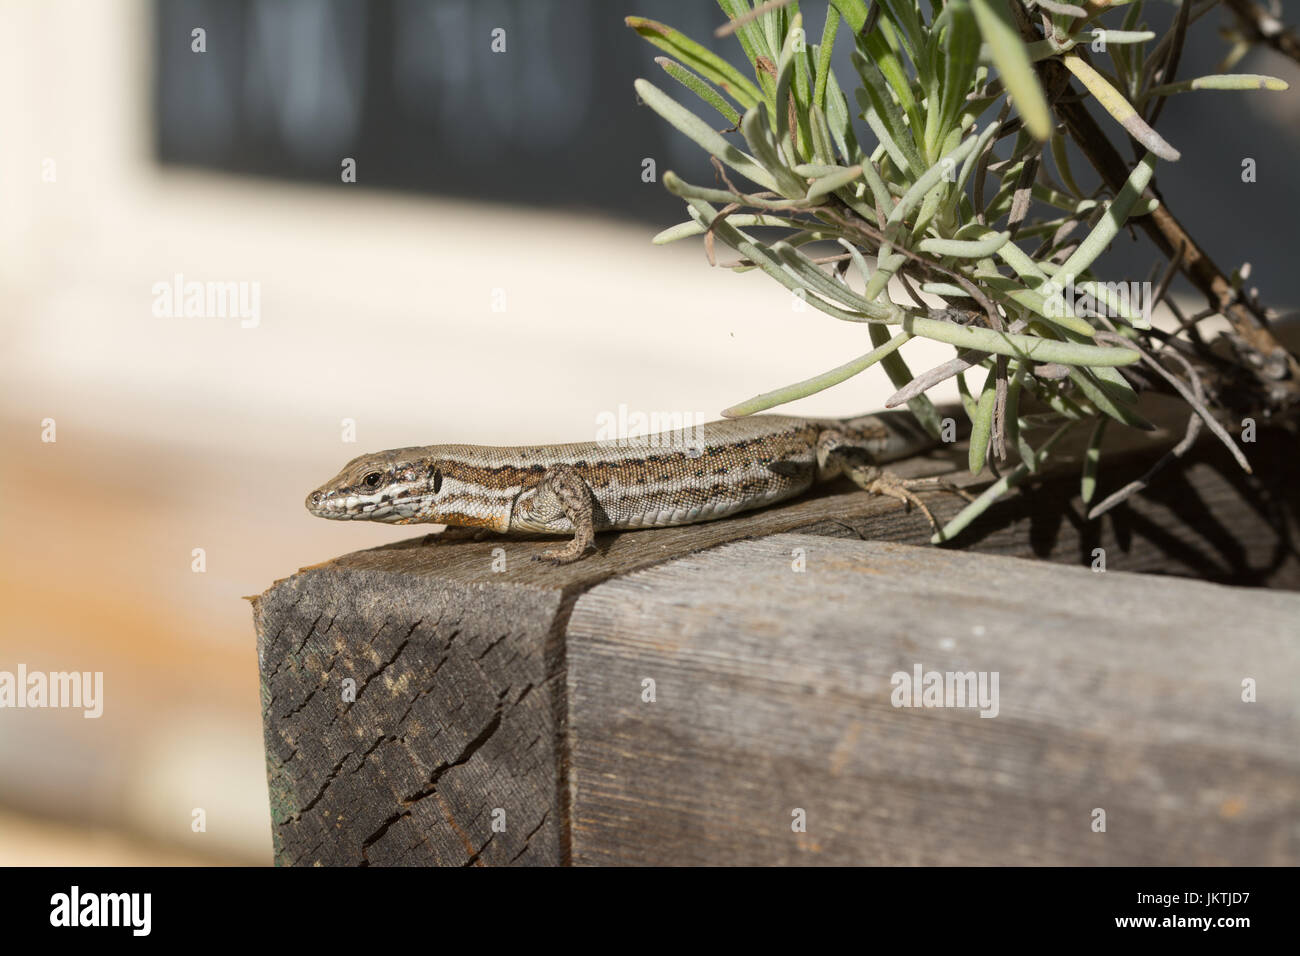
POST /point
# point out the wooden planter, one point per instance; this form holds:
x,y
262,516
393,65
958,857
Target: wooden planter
x,y
725,693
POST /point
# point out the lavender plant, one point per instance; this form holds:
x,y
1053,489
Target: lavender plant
x,y
960,187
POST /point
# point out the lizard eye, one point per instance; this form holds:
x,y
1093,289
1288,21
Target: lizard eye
x,y
371,480
437,481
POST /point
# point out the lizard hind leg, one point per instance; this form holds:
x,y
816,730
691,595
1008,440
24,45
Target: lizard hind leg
x,y
834,450
562,486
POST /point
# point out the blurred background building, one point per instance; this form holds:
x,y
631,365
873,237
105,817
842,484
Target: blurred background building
x,y
487,278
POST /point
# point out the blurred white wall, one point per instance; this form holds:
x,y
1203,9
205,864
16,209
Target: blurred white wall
x,y
175,434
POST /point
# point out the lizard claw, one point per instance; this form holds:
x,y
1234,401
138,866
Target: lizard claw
x,y
557,556
889,484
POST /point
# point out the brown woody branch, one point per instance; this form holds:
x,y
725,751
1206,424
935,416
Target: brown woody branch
x,y
1168,234
1262,27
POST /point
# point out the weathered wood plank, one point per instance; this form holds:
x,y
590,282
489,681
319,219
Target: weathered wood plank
x,y
772,687
452,719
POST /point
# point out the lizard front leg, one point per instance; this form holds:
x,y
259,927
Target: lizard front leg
x,y
562,491
835,448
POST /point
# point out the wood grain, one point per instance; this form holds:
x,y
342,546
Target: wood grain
x,y
773,693
452,719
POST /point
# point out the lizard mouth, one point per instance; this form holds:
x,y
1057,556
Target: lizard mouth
x,y
338,506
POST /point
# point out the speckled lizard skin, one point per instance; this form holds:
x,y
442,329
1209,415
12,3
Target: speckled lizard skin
x,y
670,478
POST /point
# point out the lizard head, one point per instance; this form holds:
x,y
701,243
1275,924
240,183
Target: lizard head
x,y
394,486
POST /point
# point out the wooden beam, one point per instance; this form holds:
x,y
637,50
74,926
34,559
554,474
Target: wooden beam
x,y
771,663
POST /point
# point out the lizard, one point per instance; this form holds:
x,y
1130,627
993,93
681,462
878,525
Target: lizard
x,y
670,478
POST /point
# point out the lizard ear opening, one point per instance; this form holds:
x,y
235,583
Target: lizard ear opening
x,y
437,480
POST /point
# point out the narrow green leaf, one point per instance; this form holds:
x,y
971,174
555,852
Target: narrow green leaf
x,y
1025,347
1104,402
773,28
1113,102
930,178
685,230
1122,305
1060,200
815,280
895,367
1063,165
879,53
816,170
961,58
1222,81
907,16
893,148
1012,60
1109,379
1117,37
968,401
1054,311
1091,459
837,118
752,38
784,81
958,192
833,181
817,383
758,134
1014,388
823,148
703,134
945,290
964,248
982,425
1045,298
701,59
700,88
1111,222
853,11
880,110
748,247
679,187
824,52
1058,402
804,68
993,492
